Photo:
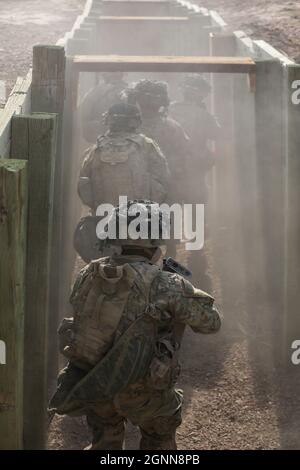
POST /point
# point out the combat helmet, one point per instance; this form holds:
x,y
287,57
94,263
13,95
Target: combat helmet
x,y
154,90
137,223
113,77
123,116
196,83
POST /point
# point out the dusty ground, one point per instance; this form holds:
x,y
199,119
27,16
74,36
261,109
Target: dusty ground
x,y
233,399
26,23
275,21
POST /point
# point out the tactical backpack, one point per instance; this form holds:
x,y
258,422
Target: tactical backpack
x,y
119,166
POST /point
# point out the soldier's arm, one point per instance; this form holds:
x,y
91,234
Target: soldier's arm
x,y
159,172
193,307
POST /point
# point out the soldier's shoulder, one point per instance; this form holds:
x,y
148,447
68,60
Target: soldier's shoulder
x,y
173,125
88,154
175,283
166,282
146,143
178,105
93,266
102,140
139,138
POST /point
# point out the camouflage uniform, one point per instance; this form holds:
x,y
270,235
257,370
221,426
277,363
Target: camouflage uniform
x,y
152,97
126,296
202,128
174,144
97,101
123,162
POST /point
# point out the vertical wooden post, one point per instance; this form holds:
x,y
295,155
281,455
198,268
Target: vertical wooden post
x,y
226,209
270,153
292,217
34,138
71,203
48,79
249,224
13,215
47,95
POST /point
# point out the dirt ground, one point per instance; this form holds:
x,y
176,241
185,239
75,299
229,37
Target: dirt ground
x,y
275,21
26,23
232,399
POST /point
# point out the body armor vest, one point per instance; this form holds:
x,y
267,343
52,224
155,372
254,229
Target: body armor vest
x,y
119,167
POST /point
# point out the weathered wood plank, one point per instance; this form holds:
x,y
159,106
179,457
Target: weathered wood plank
x,y
48,78
164,64
150,19
47,95
71,203
34,139
17,103
130,8
270,155
13,218
292,217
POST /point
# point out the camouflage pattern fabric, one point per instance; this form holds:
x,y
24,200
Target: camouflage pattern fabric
x,y
169,300
201,127
175,145
127,164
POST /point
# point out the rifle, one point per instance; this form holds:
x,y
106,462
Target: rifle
x,y
172,266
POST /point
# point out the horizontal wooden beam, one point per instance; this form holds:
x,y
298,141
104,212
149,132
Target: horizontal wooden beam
x,y
159,19
113,63
139,2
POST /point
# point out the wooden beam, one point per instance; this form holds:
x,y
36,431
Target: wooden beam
x,y
137,2
47,95
34,139
110,63
13,215
150,19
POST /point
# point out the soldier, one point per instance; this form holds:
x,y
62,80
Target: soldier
x,y
203,130
123,339
98,101
123,162
153,100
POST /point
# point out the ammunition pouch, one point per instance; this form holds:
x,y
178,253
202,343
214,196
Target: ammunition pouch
x,y
164,367
126,363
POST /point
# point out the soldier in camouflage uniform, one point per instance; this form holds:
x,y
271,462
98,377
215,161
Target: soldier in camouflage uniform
x,y
123,162
123,341
153,100
203,130
97,101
